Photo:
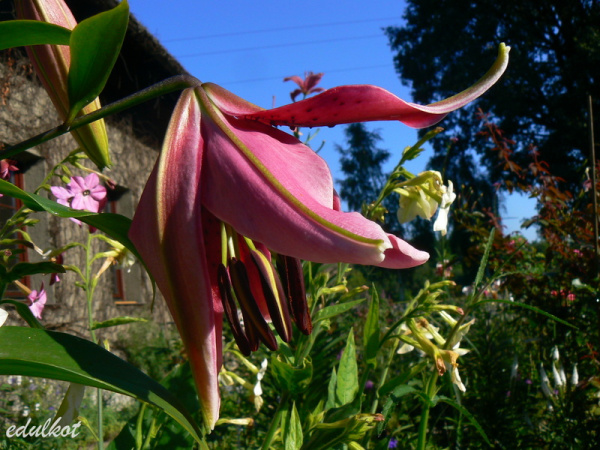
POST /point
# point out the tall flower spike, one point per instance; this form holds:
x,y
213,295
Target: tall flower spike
x,y
51,63
223,166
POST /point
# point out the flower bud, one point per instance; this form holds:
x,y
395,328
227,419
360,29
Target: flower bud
x,y
51,63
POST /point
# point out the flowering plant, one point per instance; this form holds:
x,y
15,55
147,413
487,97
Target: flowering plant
x,y
231,208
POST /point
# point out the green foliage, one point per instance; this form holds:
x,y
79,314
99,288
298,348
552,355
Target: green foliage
x,y
541,99
95,45
18,33
33,352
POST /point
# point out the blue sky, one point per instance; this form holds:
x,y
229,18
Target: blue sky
x,y
249,47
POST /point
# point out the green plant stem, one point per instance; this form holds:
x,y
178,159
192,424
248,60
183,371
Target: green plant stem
x,y
276,421
430,391
167,86
383,377
89,291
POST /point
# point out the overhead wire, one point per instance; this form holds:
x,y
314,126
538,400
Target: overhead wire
x,y
266,47
296,27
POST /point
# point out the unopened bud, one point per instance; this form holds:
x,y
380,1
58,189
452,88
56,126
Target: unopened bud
x,y
51,63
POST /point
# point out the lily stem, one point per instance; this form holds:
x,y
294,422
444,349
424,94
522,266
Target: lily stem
x,y
90,284
281,408
176,83
430,390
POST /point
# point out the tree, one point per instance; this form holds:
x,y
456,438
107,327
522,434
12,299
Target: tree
x,y
361,163
541,100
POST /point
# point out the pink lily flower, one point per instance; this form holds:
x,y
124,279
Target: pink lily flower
x,y
229,190
36,301
307,85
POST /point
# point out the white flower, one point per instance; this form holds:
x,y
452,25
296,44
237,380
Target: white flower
x,y
3,316
545,383
420,196
514,368
575,376
455,376
558,379
448,196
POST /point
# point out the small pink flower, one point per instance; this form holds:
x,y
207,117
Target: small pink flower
x,y
571,297
6,167
554,293
306,86
82,193
37,302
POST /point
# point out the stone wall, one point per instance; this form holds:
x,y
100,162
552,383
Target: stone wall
x,y
26,110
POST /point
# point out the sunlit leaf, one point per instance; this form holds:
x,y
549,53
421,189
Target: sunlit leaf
x,y
19,33
347,375
95,45
47,354
371,331
114,225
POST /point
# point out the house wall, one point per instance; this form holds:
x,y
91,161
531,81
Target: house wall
x,y
26,110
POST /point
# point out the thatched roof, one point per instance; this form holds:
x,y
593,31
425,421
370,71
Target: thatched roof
x,y
143,62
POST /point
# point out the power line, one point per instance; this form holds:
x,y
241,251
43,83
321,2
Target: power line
x,y
254,80
297,27
294,44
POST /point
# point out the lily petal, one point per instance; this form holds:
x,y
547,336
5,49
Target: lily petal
x,y
286,183
168,231
363,103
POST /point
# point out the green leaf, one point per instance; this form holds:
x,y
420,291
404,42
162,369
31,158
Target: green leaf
x,y
371,331
23,269
484,259
467,414
180,382
292,430
19,33
529,307
117,321
23,311
331,400
114,225
334,310
294,380
48,354
347,375
95,45
393,400
390,385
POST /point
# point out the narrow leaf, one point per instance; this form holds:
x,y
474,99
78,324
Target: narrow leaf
x,y
117,321
23,311
19,33
371,331
60,356
23,269
468,415
331,400
529,307
292,433
114,225
95,45
347,376
334,310
484,260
